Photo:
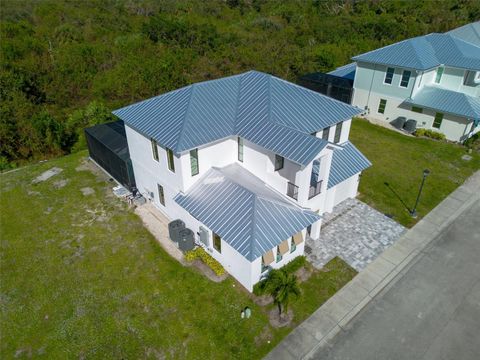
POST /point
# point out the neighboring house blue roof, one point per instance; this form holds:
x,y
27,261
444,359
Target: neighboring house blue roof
x,y
346,162
448,101
469,33
246,213
261,108
426,52
345,71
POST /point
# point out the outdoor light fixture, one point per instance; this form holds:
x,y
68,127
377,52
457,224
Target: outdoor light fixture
x,y
413,212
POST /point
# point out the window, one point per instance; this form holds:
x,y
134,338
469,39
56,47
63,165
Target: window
x,y
264,266
437,122
217,242
417,109
338,132
154,149
292,190
325,133
194,162
438,78
381,106
170,160
389,76
279,255
278,162
240,149
161,195
314,133
405,78
293,246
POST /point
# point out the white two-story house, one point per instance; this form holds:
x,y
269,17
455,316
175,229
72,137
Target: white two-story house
x,y
249,163
433,79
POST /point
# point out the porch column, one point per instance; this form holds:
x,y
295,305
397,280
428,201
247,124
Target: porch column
x,y
315,232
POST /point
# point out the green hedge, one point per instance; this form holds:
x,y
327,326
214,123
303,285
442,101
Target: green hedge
x,y
430,134
200,253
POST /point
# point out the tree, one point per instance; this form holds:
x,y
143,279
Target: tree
x,y
283,287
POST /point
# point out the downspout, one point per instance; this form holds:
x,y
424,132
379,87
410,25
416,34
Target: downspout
x,y
370,90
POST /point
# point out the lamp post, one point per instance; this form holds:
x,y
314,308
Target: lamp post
x,y
413,212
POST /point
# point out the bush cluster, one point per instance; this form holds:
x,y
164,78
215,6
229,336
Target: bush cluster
x,y
430,134
200,253
473,142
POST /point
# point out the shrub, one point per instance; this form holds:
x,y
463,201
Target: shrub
x,y
295,264
430,134
259,288
200,253
473,142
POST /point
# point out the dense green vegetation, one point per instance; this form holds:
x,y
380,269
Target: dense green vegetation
x,y
391,184
82,278
66,64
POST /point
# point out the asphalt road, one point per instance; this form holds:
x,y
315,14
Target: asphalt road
x,y
431,312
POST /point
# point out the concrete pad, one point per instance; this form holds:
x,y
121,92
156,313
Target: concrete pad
x,y
298,343
337,307
324,342
367,279
405,246
394,255
384,283
461,194
381,267
319,324
353,293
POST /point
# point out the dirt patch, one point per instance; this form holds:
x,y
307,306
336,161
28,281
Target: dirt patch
x,y
47,175
303,274
277,320
60,183
209,273
263,300
264,337
87,191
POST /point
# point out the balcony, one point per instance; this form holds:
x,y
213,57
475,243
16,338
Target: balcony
x,y
292,191
315,189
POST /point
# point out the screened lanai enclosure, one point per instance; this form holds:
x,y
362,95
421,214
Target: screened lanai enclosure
x,y
108,147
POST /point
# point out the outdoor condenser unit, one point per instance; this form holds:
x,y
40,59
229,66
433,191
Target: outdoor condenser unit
x,y
174,229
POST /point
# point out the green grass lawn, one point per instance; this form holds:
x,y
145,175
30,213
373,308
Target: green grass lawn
x,y
82,277
399,161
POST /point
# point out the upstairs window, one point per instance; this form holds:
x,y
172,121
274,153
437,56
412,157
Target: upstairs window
x,y
338,132
154,149
389,75
381,106
170,160
194,162
438,77
278,162
405,78
325,133
240,149
437,122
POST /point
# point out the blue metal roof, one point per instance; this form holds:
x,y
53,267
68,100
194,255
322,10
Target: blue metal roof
x,y
448,101
346,162
252,105
345,71
426,52
469,33
246,213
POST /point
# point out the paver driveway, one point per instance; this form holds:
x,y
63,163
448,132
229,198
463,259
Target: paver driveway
x,y
354,231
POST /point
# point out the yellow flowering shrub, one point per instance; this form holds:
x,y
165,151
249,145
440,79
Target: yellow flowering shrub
x,y
200,253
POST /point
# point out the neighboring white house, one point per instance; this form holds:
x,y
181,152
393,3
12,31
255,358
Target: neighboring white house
x,y
249,163
433,79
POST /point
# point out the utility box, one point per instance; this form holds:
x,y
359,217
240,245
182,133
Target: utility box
x,y
186,240
204,236
174,229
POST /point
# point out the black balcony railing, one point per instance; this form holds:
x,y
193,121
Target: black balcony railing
x,y
315,189
292,191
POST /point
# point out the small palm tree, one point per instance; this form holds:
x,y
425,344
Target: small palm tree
x,y
283,287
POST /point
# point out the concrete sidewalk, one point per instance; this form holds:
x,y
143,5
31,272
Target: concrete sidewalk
x,y
337,312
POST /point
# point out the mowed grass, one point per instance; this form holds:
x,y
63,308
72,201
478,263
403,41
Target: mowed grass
x,y
82,278
399,161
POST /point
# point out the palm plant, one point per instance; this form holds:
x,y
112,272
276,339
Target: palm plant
x,y
283,287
